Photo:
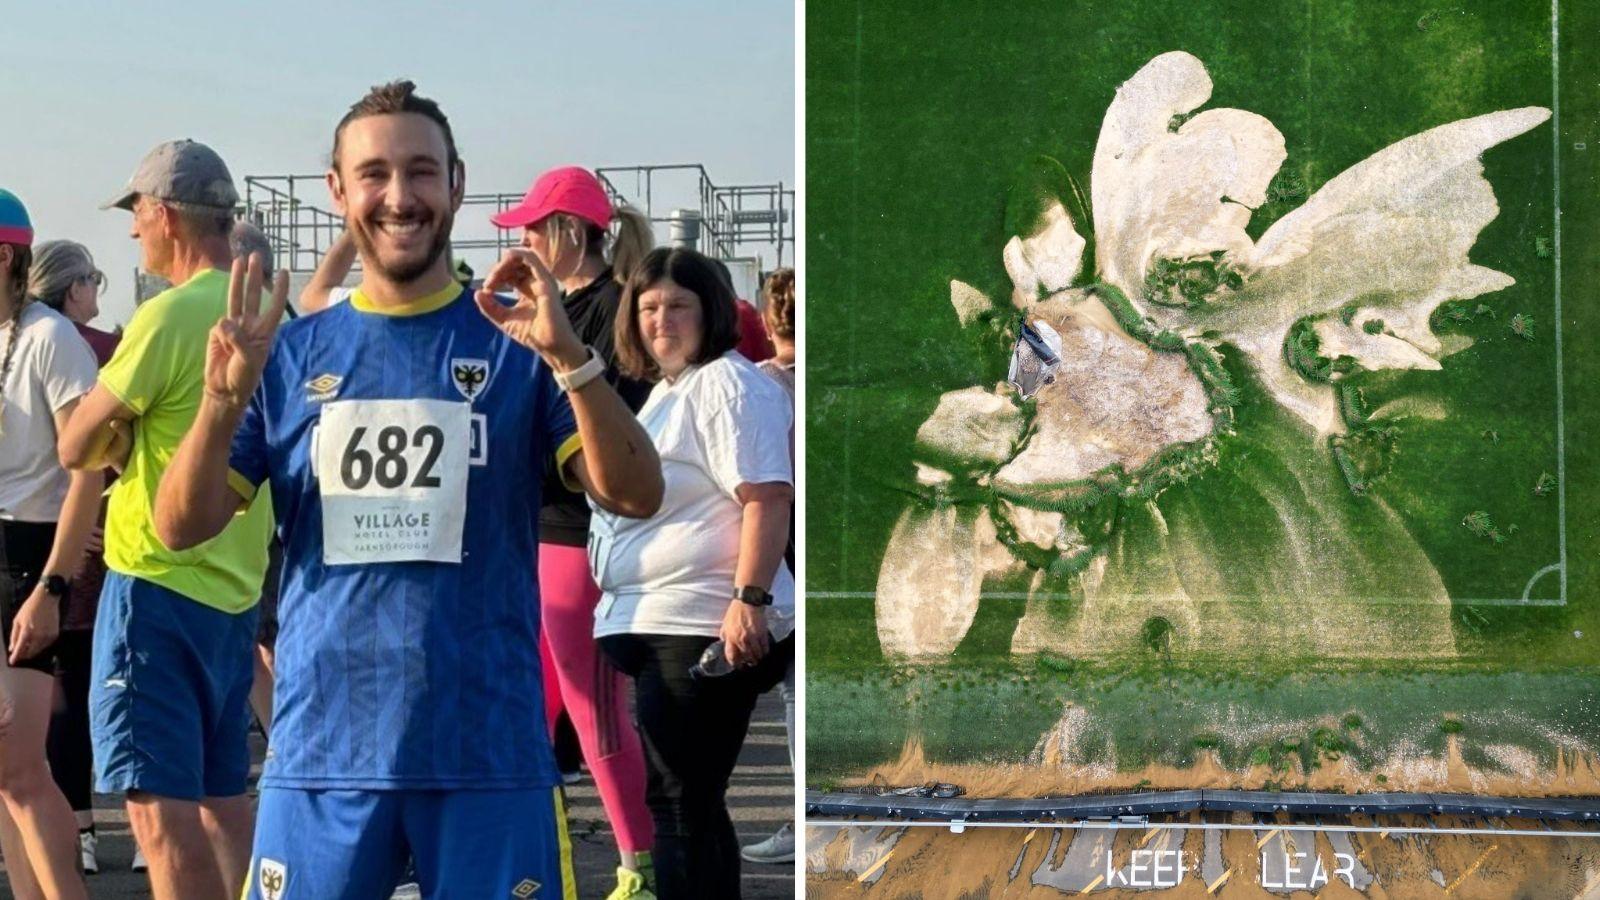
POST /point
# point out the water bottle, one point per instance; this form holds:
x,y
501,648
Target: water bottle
x,y
713,663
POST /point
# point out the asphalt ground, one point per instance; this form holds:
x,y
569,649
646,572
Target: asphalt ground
x,y
761,798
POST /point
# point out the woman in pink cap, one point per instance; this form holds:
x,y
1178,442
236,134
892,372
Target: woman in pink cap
x,y
566,219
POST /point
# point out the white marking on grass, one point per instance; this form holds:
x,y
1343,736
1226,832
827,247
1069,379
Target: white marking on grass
x,y
1356,601
1325,827
851,407
1553,567
1555,152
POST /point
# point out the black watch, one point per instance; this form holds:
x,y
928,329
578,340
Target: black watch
x,y
752,595
55,586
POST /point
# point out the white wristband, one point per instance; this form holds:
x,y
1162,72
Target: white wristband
x,y
582,375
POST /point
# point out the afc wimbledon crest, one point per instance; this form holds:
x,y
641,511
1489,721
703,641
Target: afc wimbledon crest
x,y
272,877
469,376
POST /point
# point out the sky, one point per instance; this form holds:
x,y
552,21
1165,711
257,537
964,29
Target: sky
x,y
87,88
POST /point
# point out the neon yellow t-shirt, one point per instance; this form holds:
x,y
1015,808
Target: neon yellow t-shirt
x,y
158,372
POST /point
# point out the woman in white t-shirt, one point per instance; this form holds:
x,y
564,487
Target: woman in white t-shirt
x,y
45,518
708,567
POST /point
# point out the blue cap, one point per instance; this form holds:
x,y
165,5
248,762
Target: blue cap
x,y
15,226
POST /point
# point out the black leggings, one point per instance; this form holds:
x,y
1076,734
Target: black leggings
x,y
69,749
693,731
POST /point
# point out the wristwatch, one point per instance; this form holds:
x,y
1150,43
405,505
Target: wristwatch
x,y
582,375
55,586
752,595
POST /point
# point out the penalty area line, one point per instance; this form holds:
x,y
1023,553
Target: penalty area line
x,y
1138,598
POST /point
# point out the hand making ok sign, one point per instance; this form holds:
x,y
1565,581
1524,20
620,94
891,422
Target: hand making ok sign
x,y
537,321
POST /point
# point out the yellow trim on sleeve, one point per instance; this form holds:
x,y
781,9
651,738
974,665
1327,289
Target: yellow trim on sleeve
x,y
241,486
566,451
569,881
435,301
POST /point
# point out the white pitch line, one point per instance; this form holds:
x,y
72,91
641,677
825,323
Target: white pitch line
x,y
1354,601
1555,150
1528,589
1208,826
855,293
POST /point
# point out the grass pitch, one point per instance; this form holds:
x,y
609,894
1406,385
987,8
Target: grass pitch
x,y
918,122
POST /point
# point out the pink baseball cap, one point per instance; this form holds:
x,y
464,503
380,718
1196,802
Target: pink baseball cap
x,y
570,189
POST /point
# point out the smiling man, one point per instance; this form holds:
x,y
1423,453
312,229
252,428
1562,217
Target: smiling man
x,y
402,436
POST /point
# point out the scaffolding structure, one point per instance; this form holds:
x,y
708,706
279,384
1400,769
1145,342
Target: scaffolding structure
x,y
733,223
731,217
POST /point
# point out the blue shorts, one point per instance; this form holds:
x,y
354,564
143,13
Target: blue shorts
x,y
353,845
169,698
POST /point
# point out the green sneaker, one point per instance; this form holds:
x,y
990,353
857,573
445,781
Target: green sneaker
x,y
630,886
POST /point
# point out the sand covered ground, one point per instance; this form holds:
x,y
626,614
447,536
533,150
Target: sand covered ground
x,y
934,864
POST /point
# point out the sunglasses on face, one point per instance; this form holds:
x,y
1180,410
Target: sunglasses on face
x,y
97,278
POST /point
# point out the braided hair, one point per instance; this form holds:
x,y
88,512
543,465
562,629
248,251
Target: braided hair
x,y
21,261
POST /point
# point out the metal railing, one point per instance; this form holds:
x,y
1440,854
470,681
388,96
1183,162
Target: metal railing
x,y
301,232
842,808
733,219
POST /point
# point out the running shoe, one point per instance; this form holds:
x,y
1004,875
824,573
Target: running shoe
x,y
139,865
776,849
88,851
630,886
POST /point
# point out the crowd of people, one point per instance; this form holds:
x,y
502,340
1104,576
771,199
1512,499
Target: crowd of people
x,y
408,531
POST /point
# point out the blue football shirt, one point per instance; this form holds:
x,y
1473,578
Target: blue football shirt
x,y
404,451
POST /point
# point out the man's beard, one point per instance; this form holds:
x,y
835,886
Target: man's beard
x,y
408,271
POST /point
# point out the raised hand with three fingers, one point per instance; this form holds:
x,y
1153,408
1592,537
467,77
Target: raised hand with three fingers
x,y
236,352
537,321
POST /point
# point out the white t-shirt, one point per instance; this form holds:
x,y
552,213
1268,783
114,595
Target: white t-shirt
x,y
717,426
51,366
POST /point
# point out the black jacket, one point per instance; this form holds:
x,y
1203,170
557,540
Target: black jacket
x,y
564,518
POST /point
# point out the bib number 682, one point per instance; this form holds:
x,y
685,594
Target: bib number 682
x,y
389,462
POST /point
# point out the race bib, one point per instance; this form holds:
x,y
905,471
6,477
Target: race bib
x,y
393,479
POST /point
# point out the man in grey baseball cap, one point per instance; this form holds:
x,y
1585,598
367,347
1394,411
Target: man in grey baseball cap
x,y
183,171
172,665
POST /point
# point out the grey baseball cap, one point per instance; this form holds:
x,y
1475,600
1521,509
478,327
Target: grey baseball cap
x,y
182,172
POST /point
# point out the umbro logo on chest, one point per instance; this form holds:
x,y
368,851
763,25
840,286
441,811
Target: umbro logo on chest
x,y
323,387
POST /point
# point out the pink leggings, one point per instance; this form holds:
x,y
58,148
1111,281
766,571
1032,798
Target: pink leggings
x,y
594,694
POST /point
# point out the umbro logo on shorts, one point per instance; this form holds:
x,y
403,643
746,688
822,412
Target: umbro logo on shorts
x,y
323,387
272,877
525,888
